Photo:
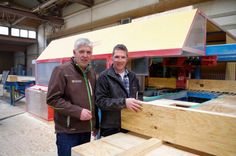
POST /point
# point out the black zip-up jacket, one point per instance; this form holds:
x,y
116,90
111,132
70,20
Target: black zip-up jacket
x,y
69,91
111,94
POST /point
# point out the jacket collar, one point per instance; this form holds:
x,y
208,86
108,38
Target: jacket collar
x,y
112,72
78,68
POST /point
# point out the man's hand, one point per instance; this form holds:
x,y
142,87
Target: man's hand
x,y
85,115
133,104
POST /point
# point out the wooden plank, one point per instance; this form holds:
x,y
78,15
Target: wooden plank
x,y
161,82
222,104
164,150
213,133
173,103
212,85
123,141
143,148
98,148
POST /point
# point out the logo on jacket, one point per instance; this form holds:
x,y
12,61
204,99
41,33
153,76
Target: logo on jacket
x,y
76,81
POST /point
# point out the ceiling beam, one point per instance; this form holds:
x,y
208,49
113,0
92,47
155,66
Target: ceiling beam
x,y
41,6
11,48
88,3
31,15
18,40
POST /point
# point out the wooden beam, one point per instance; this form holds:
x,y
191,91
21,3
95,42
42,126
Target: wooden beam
x,y
18,40
213,133
11,48
212,85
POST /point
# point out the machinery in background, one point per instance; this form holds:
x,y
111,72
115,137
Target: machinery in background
x,y
16,86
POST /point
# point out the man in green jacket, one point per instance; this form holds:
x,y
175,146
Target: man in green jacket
x,y
71,95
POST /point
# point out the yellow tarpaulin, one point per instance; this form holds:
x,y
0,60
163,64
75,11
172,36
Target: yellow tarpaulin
x,y
163,32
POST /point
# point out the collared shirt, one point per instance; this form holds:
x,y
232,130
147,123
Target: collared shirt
x,y
125,79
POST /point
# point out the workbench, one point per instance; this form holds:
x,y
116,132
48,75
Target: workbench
x,y
17,89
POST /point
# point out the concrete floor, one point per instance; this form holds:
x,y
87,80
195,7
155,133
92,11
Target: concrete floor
x,y
22,134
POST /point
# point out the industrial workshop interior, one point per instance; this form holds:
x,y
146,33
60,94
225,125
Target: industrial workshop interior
x,y
183,52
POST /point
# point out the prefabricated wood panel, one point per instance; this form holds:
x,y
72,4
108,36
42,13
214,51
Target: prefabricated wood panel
x,y
209,132
212,85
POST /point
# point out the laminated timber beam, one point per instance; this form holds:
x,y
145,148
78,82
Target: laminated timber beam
x,y
210,132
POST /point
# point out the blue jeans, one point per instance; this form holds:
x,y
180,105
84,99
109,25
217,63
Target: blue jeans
x,y
66,141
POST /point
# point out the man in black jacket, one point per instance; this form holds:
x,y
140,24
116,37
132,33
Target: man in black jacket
x,y
116,89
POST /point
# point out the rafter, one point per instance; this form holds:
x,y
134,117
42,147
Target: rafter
x,y
31,15
88,3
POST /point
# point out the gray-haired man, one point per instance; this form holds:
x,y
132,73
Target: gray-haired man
x,y
71,95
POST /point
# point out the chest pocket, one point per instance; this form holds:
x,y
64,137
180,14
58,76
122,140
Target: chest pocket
x,y
73,83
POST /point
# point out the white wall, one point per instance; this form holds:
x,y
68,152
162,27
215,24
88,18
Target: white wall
x,y
222,12
32,54
103,10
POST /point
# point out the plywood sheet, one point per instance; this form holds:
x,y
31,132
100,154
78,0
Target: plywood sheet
x,y
98,148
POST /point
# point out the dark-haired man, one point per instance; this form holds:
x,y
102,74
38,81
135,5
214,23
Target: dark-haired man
x,y
116,89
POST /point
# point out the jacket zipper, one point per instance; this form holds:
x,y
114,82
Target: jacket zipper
x,y
89,96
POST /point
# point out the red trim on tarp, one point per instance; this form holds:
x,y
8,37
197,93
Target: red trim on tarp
x,y
146,53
